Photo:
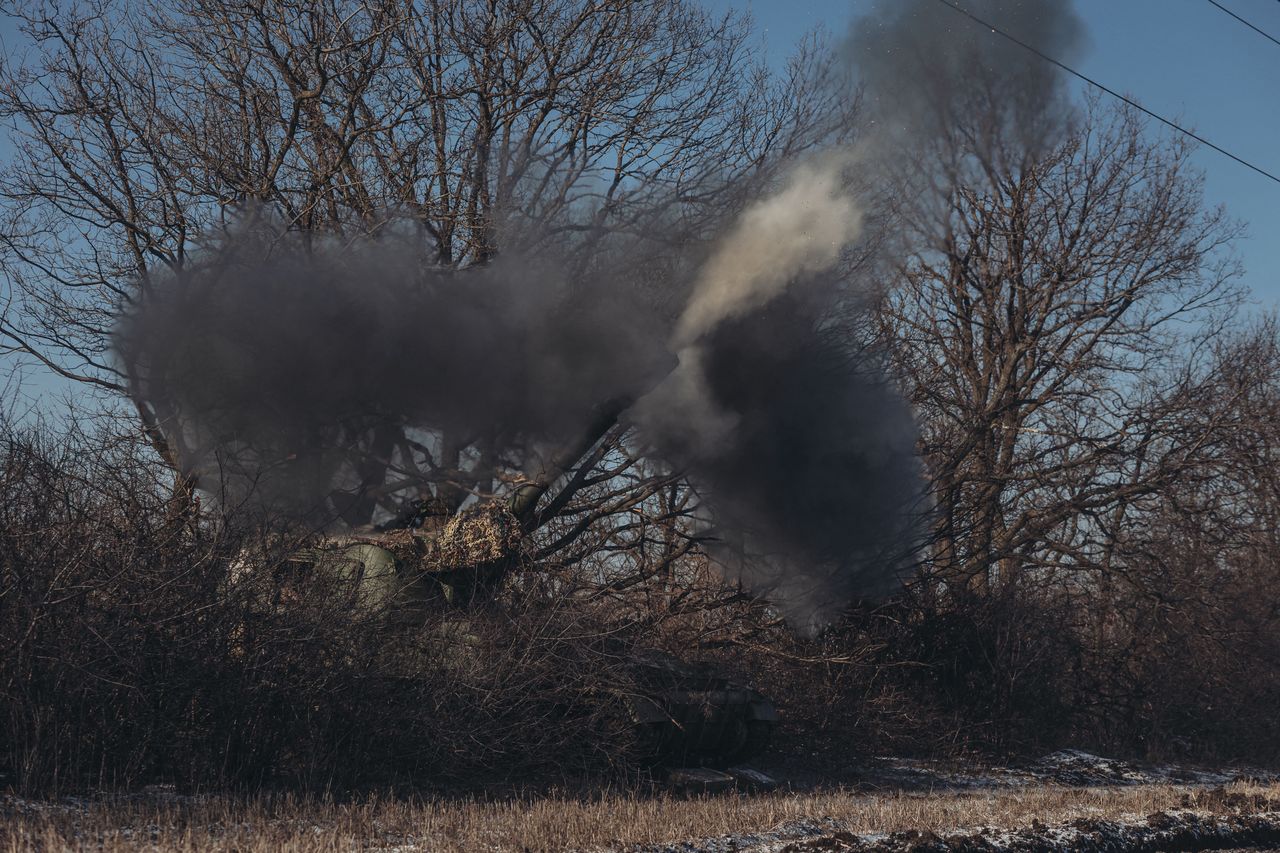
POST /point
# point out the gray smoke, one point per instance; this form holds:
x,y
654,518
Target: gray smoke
x,y
803,450
935,79
279,361
802,228
815,487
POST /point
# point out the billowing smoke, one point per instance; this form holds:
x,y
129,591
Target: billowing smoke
x,y
280,363
800,229
936,82
282,360
804,451
813,478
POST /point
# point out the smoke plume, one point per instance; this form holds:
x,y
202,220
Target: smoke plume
x,y
805,454
279,363
801,229
282,359
935,81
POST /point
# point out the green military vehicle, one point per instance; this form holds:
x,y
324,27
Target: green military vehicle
x,y
434,561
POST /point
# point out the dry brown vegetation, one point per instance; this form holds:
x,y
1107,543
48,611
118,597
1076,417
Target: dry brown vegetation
x,y
554,823
130,658
1098,426
130,652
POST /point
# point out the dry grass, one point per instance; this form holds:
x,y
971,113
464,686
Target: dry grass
x,y
288,824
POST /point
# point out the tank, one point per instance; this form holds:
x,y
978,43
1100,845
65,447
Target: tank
x,y
432,560
684,714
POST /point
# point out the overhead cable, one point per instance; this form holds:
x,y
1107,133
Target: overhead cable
x,y
1263,33
1113,93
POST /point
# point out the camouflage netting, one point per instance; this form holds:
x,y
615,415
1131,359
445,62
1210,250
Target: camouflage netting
x,y
483,535
475,537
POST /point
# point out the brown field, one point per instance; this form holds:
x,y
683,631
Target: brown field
x,y
551,823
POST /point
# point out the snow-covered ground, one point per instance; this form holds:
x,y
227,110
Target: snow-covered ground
x,y
1070,767
1172,830
1244,825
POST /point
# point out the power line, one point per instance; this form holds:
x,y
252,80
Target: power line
x,y
1262,33
1109,91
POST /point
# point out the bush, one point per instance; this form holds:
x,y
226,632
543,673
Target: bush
x,y
138,646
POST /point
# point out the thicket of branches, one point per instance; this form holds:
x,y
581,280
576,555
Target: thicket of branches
x,y
551,124
136,648
1098,417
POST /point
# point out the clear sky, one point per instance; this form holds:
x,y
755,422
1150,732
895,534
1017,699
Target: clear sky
x,y
1184,59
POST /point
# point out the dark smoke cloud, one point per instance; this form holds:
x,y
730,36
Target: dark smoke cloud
x,y
278,359
930,72
817,481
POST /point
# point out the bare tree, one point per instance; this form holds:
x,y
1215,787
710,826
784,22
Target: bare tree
x,y
141,129
1192,572
1050,327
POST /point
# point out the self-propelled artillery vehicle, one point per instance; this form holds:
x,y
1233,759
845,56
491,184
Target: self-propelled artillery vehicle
x,y
435,561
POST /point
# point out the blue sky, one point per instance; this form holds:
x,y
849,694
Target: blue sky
x,y
1183,59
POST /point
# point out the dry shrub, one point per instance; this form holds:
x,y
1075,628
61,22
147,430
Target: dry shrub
x,y
1170,670
607,822
1185,665
460,699
992,671
136,645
